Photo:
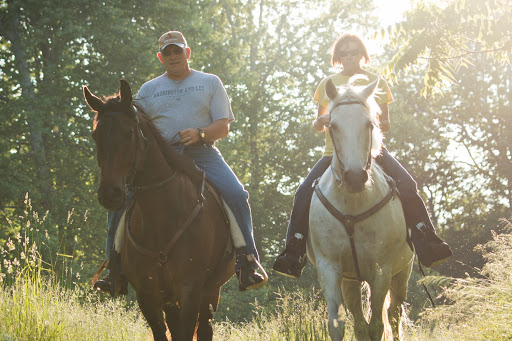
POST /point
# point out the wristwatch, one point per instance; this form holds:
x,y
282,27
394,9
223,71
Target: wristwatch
x,y
202,135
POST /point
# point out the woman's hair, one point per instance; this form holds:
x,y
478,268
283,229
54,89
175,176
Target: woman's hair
x,y
343,39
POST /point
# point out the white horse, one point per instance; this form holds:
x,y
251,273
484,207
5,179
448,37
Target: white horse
x,y
357,227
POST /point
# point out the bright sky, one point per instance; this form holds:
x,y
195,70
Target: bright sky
x,y
391,11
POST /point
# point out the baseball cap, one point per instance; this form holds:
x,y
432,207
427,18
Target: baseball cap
x,y
172,37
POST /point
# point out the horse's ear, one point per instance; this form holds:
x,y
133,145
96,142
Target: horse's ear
x,y
126,93
331,90
370,89
94,102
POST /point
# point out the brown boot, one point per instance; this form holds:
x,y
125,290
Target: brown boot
x,y
105,285
247,266
115,283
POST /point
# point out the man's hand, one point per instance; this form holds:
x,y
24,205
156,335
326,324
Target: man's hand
x,y
189,136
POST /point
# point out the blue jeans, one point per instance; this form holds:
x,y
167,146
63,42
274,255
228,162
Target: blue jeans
x,y
209,159
414,208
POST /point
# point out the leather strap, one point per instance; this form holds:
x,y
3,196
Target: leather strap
x,y
161,255
349,221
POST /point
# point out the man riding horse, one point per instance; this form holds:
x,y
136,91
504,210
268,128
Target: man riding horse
x,y
191,109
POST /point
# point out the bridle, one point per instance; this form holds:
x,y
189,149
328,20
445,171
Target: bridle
x,y
133,170
340,163
349,221
159,255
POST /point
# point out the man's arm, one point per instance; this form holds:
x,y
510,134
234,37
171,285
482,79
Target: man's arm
x,y
214,131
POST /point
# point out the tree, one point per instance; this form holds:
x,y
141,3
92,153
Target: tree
x,y
449,36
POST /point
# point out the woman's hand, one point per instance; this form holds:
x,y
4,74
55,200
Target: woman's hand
x,y
321,122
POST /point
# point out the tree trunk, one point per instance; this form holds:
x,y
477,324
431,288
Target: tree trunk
x,y
11,32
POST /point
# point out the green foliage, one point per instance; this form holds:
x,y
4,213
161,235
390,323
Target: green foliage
x,y
270,55
447,36
479,307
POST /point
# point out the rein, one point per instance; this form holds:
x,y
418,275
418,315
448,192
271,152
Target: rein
x,y
161,256
349,221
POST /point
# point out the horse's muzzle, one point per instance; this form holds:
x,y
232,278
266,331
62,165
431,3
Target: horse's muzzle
x,y
112,197
355,180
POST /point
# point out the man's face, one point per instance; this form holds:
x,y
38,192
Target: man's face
x,y
175,59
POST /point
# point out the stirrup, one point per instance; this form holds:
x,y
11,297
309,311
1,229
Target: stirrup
x,y
254,262
289,265
104,285
247,266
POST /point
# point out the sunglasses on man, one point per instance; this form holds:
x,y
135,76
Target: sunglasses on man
x,y
172,49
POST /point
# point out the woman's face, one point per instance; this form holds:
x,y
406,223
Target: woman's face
x,y
350,55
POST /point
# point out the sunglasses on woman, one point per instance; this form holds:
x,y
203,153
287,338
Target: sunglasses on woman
x,y
351,53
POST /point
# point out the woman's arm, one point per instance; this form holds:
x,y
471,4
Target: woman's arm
x,y
385,124
322,119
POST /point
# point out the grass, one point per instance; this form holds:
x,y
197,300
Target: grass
x,y
38,304
297,317
42,310
478,308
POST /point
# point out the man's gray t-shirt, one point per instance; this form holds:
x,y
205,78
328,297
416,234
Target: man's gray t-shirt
x,y
194,102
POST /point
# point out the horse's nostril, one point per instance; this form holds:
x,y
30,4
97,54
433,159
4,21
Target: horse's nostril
x,y
111,197
355,179
114,192
364,176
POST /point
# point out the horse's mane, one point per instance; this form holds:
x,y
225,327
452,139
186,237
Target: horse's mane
x,y
178,161
354,91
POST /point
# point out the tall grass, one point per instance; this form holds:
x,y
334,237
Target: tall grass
x,y
38,309
36,303
297,317
477,308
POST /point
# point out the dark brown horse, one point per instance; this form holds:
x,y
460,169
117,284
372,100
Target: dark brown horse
x,y
176,237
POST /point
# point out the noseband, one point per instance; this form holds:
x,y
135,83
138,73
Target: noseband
x,y
340,163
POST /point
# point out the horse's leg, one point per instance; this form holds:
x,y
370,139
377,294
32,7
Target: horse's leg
x,y
329,277
172,318
209,305
379,287
189,311
152,310
352,297
398,293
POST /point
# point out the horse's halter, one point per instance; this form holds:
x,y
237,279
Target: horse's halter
x,y
340,163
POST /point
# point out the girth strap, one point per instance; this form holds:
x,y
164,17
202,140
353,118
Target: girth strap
x,y
349,221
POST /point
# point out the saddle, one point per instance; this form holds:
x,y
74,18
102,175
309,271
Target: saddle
x,y
237,239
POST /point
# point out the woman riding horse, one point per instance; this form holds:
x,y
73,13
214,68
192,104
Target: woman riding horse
x,y
350,51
